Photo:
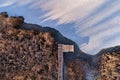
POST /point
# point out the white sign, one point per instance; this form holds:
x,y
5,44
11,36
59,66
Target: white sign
x,y
68,48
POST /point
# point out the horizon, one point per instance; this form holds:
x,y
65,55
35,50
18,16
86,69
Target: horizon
x,y
92,27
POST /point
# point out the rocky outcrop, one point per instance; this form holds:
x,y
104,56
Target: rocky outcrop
x,y
27,55
11,21
109,64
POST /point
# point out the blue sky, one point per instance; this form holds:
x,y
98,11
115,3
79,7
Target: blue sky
x,y
92,24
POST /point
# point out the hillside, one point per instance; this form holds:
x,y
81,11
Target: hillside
x,y
26,54
29,52
109,63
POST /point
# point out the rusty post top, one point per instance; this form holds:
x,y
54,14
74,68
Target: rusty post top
x,y
66,48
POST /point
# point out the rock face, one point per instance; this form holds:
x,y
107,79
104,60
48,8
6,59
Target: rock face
x,y
10,21
26,54
29,52
109,64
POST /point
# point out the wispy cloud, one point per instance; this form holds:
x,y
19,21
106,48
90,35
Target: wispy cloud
x,y
69,10
96,19
5,3
24,2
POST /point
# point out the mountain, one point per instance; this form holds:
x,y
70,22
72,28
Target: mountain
x,y
30,52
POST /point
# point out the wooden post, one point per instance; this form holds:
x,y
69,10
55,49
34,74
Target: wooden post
x,y
60,62
62,48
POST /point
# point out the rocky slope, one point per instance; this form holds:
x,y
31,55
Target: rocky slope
x,y
26,54
109,64
29,52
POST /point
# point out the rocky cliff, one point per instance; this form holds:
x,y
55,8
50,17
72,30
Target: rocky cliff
x,y
109,64
26,54
29,52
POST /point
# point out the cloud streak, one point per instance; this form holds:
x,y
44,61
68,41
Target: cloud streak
x,y
69,10
96,19
5,3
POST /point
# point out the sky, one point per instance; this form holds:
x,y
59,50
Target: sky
x,y
92,24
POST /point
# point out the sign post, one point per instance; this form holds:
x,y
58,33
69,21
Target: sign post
x,y
61,49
